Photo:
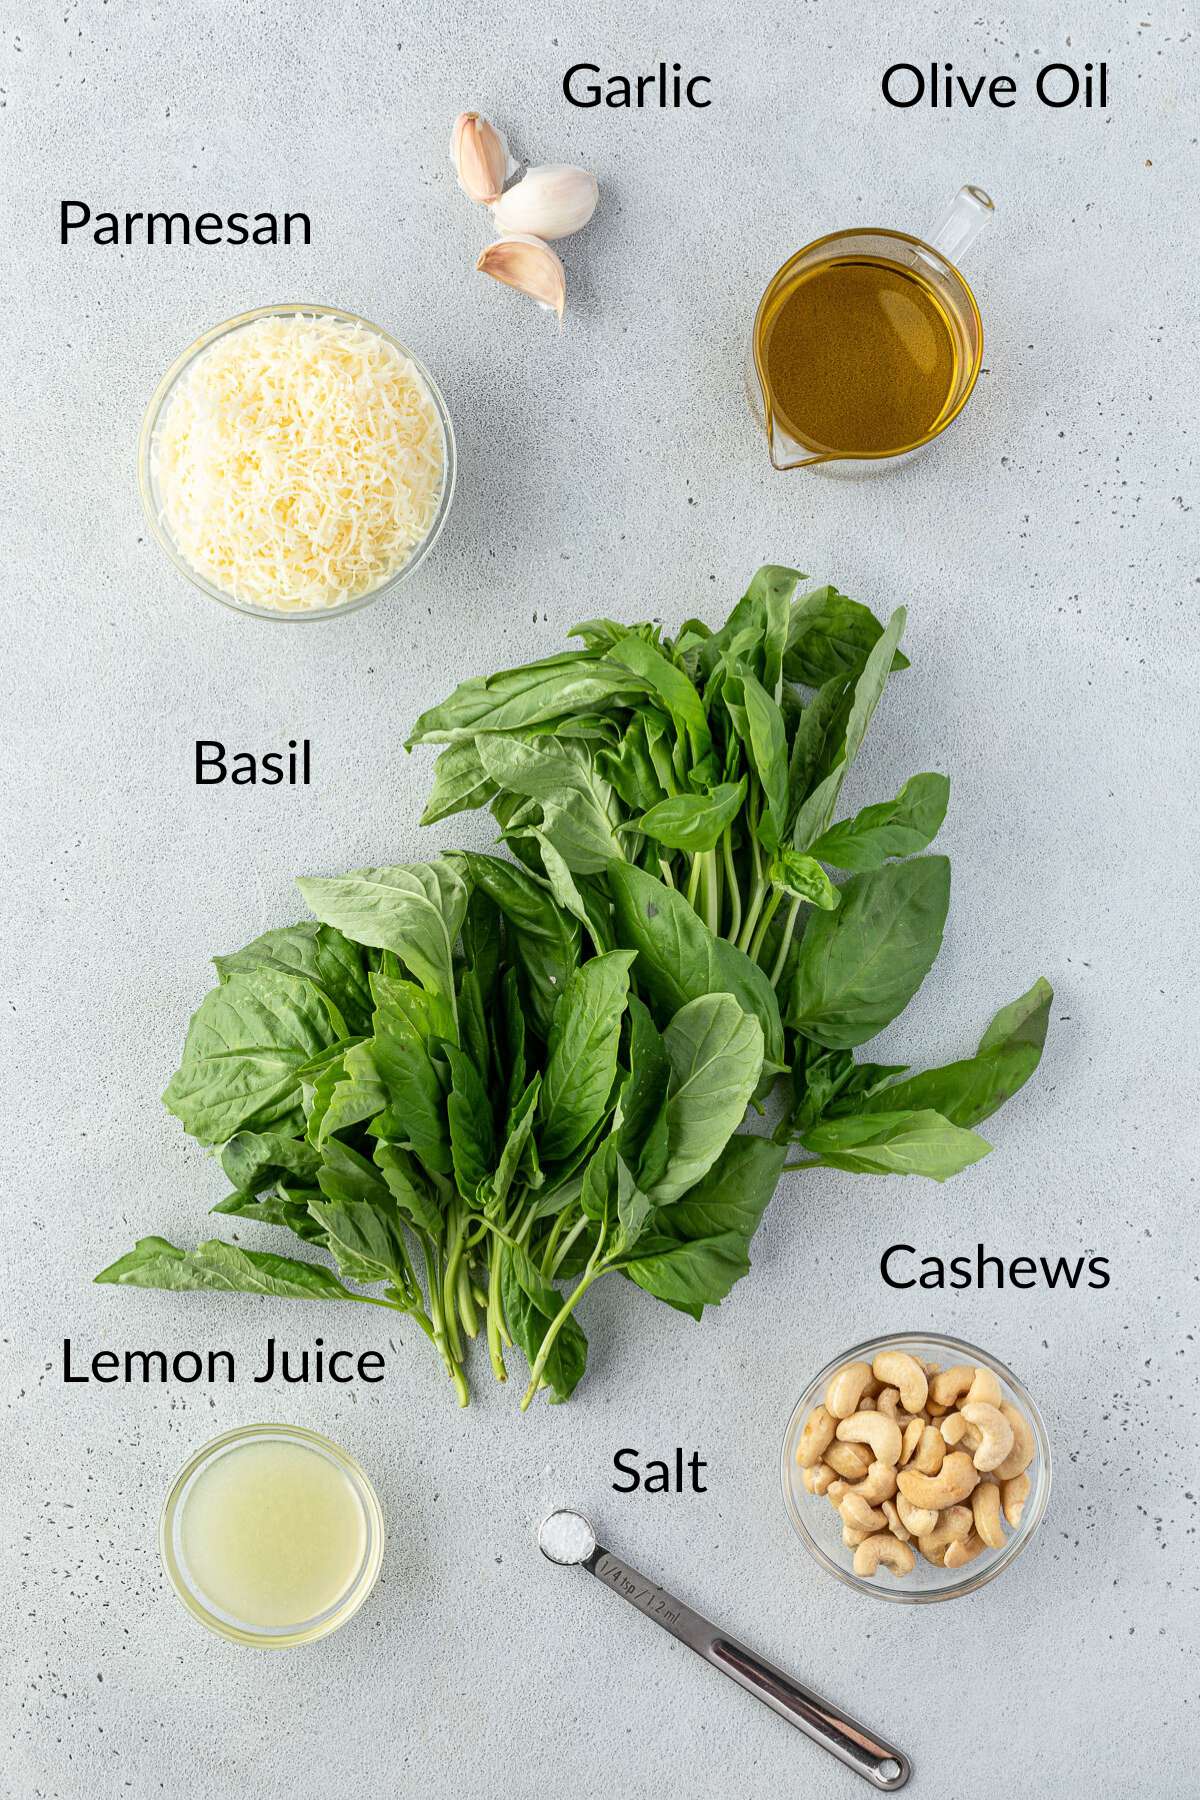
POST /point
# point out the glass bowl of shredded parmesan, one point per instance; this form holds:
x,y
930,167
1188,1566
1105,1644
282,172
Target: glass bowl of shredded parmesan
x,y
297,462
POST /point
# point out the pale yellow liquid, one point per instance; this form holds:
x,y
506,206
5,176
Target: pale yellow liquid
x,y
272,1533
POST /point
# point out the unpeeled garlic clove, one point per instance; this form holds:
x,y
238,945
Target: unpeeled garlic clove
x,y
550,201
530,266
480,156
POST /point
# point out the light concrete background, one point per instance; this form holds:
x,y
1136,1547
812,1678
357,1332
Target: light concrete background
x,y
1047,550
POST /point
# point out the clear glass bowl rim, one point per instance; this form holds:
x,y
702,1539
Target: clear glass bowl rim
x,y
160,397
973,1576
305,1631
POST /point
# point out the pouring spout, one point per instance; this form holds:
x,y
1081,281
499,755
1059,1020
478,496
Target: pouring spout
x,y
956,229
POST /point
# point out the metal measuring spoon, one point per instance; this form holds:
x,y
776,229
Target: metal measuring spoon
x,y
567,1538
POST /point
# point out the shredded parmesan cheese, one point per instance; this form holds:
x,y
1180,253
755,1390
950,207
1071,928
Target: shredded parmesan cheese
x,y
299,462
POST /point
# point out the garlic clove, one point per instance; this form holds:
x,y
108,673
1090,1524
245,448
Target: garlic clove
x,y
550,201
480,156
530,266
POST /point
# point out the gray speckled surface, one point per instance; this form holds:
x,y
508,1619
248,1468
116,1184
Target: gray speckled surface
x,y
1048,551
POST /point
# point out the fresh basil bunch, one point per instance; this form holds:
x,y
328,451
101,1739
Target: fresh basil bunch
x,y
439,1087
481,1084
678,796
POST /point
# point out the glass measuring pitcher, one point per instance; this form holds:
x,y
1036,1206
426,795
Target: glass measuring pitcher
x,y
867,343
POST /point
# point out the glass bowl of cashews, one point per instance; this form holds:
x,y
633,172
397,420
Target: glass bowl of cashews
x,y
916,1467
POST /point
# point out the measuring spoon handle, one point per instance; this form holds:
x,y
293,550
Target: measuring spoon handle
x,y
886,1768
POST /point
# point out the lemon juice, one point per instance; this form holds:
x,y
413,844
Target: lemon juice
x,y
272,1535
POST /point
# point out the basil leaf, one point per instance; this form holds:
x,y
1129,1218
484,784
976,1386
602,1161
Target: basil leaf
x,y
633,1208
398,1059
253,1160
547,941
756,615
679,958
319,954
643,1138
803,877
694,822
339,1102
515,699
581,1059
365,1240
896,1143
510,1040
630,770
349,1179
859,967
898,827
473,1035
716,1054
413,909
1022,1021
530,1306
732,1196
696,1273
768,752
817,741
831,635
592,910
520,1126
408,1188
579,810
672,687
816,812
460,783
216,1266
244,1047
472,1132
970,1091
276,1208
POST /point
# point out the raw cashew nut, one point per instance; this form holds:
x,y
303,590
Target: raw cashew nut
x,y
816,1438
956,1430
985,1387
847,1388
904,1372
1015,1492
985,1508
953,1526
883,1548
895,1525
1023,1445
878,1484
852,1536
912,1437
930,1452
946,1389
996,1434
918,1521
818,1480
883,1435
861,1515
956,1480
888,1401
850,1461
964,1551
836,1489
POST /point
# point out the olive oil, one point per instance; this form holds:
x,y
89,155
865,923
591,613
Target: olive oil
x,y
859,357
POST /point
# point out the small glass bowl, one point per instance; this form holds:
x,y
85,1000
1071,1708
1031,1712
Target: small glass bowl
x,y
302,1631
149,489
817,1523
